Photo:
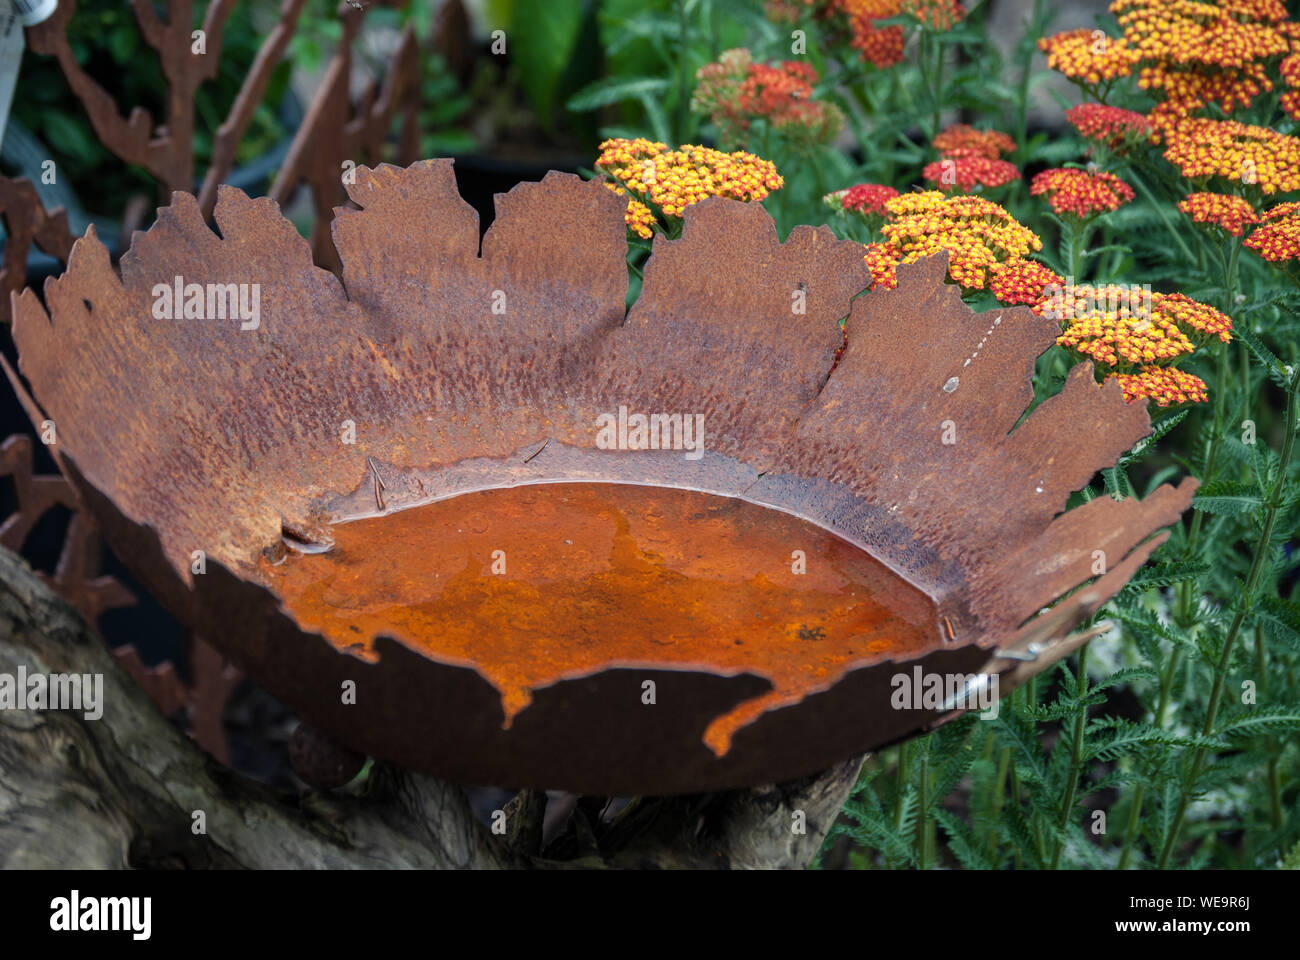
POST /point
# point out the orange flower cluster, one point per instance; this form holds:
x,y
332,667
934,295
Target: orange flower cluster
x,y
1290,70
786,11
1164,385
977,233
1228,212
970,158
965,170
961,136
1081,192
1278,238
734,90
1197,53
882,261
881,46
934,14
1191,53
1022,282
1113,326
1199,317
639,218
1201,147
1112,329
1127,328
865,198
1230,34
1113,126
674,179
1091,60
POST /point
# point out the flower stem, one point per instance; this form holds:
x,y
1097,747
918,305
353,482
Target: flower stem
x,y
1076,753
1272,508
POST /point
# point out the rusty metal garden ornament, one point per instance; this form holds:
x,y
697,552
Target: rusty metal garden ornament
x,y
464,512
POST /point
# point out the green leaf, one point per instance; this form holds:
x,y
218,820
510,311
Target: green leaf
x,y
1166,574
1262,721
615,90
658,120
1280,619
1229,498
1292,860
541,43
1126,676
961,842
1158,430
1275,367
1119,737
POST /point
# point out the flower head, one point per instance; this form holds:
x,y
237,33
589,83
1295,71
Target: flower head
x,y
1081,192
1022,281
965,170
674,179
1113,126
882,261
961,136
879,45
1121,325
977,233
1290,70
734,90
1111,329
1164,385
639,218
1087,58
1278,238
1229,212
1224,35
1202,148
934,14
865,198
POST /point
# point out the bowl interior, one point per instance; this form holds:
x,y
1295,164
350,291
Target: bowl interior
x,y
536,583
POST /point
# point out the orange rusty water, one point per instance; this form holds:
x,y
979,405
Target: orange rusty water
x,y
590,575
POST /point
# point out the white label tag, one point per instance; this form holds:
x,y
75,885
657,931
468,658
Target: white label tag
x,y
11,55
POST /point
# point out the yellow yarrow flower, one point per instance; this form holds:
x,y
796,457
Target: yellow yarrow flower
x,y
672,180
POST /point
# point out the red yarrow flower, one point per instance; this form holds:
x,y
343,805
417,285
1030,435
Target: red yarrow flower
x,y
1278,239
961,136
966,169
1164,385
1023,281
865,198
1081,193
1113,126
1230,213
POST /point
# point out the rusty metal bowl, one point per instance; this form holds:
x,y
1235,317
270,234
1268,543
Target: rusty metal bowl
x,y
414,503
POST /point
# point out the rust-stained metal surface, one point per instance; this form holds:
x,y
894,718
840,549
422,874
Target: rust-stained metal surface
x,y
27,222
437,388
537,583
